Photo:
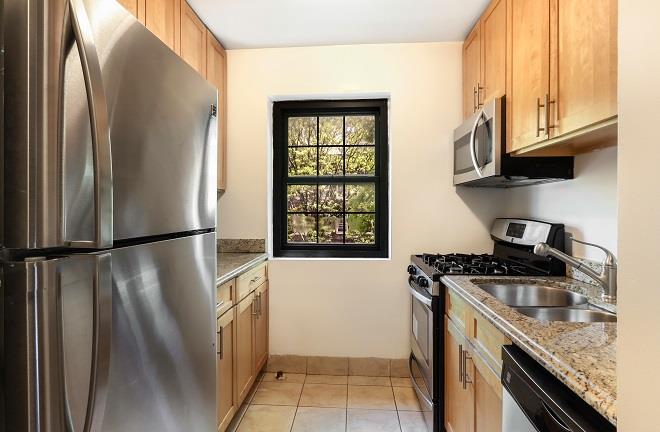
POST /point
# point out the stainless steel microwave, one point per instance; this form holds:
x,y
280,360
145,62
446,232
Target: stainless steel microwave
x,y
480,158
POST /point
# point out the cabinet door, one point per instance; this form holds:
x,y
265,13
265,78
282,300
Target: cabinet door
x,y
226,393
163,18
133,6
493,61
245,346
261,328
530,70
584,68
487,399
471,70
193,39
459,401
216,74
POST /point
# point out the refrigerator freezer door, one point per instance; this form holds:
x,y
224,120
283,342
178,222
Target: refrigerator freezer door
x,y
117,341
162,128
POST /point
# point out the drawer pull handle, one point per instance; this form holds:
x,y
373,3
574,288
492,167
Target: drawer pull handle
x,y
219,342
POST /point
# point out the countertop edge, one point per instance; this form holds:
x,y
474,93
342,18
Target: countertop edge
x,y
242,269
570,377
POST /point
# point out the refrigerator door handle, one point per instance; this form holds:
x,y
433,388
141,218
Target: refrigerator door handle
x,y
98,390
98,115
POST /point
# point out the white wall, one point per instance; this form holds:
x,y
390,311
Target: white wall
x,y
355,307
638,347
587,205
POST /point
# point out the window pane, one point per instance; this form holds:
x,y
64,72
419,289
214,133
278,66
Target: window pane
x,y
302,131
331,131
361,197
331,198
301,198
360,130
361,228
331,228
301,228
331,161
360,160
302,161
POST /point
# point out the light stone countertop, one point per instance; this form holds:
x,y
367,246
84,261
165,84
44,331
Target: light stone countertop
x,y
231,264
581,355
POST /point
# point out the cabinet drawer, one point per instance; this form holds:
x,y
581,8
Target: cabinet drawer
x,y
488,342
225,297
248,281
458,311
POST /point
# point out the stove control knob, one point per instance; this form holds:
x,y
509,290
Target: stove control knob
x,y
422,282
412,269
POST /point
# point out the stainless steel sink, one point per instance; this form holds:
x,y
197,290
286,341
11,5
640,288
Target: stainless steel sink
x,y
567,314
532,295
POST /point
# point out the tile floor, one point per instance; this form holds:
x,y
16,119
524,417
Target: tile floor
x,y
328,403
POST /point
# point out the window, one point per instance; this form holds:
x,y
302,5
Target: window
x,y
330,179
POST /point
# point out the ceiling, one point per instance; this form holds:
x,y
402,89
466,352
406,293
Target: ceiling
x,y
285,23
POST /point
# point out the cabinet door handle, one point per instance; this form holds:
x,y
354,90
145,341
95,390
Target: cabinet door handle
x,y
539,105
220,342
460,363
474,99
254,306
479,88
548,126
466,378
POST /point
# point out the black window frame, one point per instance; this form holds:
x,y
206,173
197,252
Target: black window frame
x,y
282,111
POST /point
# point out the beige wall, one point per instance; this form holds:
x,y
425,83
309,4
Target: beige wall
x,y
586,205
355,307
638,348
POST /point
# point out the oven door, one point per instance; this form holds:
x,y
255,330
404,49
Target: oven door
x,y
477,144
421,338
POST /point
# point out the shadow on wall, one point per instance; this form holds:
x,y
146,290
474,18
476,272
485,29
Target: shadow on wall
x,y
485,203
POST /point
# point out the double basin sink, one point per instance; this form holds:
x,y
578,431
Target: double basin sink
x,y
546,303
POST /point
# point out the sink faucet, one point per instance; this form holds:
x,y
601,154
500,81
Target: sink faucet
x,y
606,279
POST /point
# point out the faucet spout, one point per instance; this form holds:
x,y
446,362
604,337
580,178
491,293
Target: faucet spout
x,y
606,279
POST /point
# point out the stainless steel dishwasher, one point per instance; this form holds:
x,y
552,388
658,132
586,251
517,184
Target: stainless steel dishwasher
x,y
534,400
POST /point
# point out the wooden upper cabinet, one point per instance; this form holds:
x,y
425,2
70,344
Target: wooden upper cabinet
x,y
193,39
471,71
493,58
530,71
584,63
135,7
163,18
216,74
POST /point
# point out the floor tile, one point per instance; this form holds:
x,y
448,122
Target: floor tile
x,y
371,397
265,418
399,368
401,382
315,419
369,366
326,379
327,365
412,421
323,395
288,377
277,393
287,363
367,380
406,399
372,421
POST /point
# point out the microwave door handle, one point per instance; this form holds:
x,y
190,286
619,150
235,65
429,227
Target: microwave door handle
x,y
473,144
98,116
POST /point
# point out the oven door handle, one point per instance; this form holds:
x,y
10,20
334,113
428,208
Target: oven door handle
x,y
419,296
414,382
473,143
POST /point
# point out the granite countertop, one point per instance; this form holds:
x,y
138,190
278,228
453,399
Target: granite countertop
x,y
232,264
581,355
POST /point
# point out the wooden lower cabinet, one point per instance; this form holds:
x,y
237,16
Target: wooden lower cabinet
x,y
459,406
245,371
487,404
226,393
261,327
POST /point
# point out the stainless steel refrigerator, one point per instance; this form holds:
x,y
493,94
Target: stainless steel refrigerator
x,y
108,231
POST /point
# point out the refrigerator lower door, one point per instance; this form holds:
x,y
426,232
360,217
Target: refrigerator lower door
x,y
116,341
111,134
